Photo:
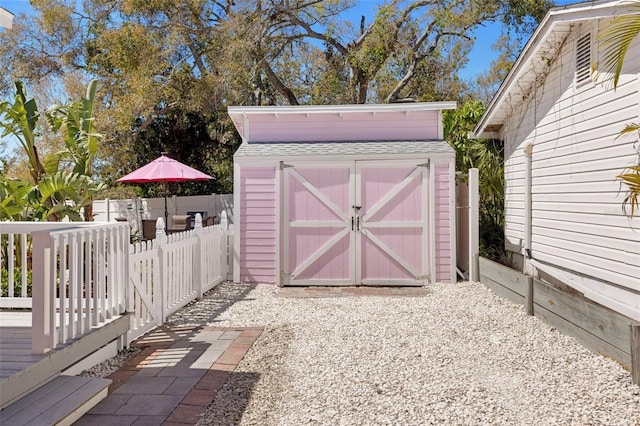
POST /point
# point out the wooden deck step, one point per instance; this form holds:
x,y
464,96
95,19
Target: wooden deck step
x,y
62,401
21,372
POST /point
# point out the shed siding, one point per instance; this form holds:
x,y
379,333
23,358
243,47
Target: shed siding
x,y
258,224
419,125
443,223
577,221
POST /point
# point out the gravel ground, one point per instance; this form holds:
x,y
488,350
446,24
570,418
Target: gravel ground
x,y
459,355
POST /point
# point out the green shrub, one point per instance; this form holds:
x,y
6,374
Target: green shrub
x,y
17,282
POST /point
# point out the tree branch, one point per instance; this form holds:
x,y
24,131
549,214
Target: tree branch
x,y
417,58
276,82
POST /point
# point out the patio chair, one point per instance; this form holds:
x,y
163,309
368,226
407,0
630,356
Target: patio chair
x,y
148,229
181,222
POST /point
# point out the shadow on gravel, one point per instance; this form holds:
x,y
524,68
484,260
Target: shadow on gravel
x,y
229,406
212,304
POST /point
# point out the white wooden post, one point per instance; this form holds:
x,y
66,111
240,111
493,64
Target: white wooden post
x,y
198,257
43,312
528,153
160,295
138,213
225,253
174,200
474,218
212,205
125,233
224,221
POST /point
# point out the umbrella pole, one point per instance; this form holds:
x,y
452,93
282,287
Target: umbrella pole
x,y
166,214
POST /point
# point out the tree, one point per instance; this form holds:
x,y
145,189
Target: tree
x,y
616,38
487,83
157,59
54,193
405,37
19,120
487,155
210,147
76,122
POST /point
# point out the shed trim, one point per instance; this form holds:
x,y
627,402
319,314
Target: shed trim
x,y
339,109
374,149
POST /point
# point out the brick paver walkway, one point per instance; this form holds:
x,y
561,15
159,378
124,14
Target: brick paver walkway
x,y
174,378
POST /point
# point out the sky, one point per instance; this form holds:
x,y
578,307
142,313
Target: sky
x,y
479,59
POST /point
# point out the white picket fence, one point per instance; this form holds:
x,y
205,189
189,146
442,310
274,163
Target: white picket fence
x,y
172,270
84,275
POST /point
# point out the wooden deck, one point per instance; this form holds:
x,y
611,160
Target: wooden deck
x,y
15,343
22,372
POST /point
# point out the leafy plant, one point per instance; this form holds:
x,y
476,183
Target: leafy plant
x,y
17,282
615,39
632,180
487,155
56,192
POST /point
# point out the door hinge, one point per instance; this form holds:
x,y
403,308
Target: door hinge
x,y
427,164
424,277
285,166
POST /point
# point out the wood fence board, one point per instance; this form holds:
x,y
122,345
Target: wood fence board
x,y
597,328
635,353
502,290
516,281
587,339
600,322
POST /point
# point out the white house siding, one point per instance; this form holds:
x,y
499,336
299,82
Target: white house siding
x,y
577,221
258,224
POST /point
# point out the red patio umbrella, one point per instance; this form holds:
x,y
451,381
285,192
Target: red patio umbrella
x,y
164,169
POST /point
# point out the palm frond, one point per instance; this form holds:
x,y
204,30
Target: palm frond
x,y
632,180
615,39
629,128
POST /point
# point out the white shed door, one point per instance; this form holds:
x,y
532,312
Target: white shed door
x,y
355,223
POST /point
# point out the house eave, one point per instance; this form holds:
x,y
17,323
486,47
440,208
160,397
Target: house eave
x,y
559,21
6,18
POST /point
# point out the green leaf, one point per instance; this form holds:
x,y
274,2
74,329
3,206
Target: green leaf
x,y
615,39
632,180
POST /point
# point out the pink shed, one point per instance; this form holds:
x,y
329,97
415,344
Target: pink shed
x,y
344,195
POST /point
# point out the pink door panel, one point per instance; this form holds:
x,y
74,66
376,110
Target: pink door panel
x,y
392,235
317,225
355,223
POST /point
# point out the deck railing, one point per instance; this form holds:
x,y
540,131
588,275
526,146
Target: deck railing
x,y
79,276
75,272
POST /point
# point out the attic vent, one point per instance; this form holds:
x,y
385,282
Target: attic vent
x,y
583,59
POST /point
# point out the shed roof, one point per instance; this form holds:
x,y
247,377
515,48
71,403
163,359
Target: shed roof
x,y
343,148
410,121
546,42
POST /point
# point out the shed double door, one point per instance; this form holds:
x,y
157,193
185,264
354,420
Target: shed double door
x,y
355,223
